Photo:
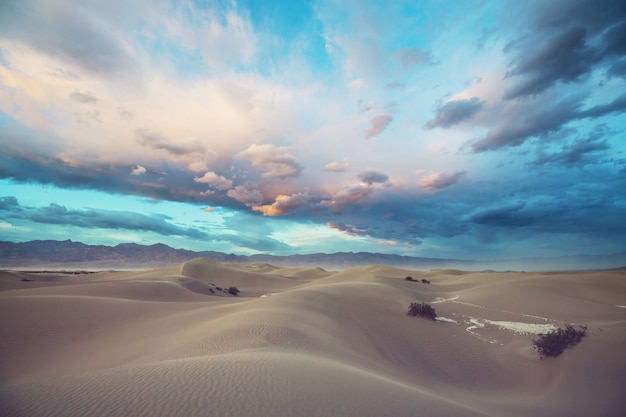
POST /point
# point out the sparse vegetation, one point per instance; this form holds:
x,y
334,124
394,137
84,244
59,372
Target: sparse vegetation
x,y
410,279
233,291
425,281
422,310
551,345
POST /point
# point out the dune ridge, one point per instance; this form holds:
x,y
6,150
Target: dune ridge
x,y
307,342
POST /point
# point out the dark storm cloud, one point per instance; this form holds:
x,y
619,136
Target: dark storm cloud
x,y
616,106
529,122
371,177
579,152
503,217
103,219
533,119
9,203
564,41
454,112
618,69
66,31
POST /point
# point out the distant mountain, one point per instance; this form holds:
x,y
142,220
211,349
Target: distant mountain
x,y
53,254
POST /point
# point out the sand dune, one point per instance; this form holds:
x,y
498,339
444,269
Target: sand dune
x,y
307,342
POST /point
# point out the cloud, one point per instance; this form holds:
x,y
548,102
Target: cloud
x,y
283,204
347,228
247,194
531,119
439,180
138,170
564,41
371,177
9,203
215,180
618,69
378,125
411,57
347,196
454,112
395,85
68,32
157,141
503,217
83,97
616,106
275,161
341,166
579,152
103,219
525,121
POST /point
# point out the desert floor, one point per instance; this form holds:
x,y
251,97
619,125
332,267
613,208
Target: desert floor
x,y
308,342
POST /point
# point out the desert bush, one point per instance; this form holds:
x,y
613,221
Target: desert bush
x,y
425,281
409,279
233,291
422,310
551,345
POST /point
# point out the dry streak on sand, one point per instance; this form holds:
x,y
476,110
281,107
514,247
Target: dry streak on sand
x,y
307,342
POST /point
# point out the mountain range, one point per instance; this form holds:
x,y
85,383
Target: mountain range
x,y
53,254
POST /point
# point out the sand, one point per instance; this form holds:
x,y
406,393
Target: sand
x,y
308,342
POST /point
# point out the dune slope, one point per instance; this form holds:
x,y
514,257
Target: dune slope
x,y
307,342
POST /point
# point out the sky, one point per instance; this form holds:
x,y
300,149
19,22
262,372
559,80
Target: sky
x,y
452,129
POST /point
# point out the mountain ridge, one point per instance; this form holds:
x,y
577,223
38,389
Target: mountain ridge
x,y
56,254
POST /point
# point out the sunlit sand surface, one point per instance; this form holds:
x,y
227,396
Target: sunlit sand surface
x,y
308,342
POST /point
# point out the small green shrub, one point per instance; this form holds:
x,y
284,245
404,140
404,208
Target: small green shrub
x,y
551,345
422,310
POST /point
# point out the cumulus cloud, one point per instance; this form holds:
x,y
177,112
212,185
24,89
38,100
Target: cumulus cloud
x,y
348,196
275,161
247,194
283,204
454,112
138,170
378,125
341,166
371,177
439,180
215,180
